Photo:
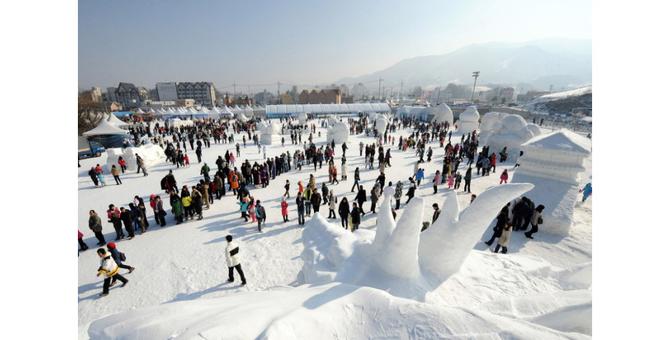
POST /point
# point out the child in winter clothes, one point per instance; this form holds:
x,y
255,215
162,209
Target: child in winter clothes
x,y
118,257
450,181
284,210
503,177
252,210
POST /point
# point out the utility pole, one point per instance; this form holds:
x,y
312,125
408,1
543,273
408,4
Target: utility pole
x,y
474,75
380,88
278,85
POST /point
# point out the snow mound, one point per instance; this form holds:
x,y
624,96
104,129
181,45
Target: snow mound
x,y
468,121
442,113
331,311
337,131
400,259
151,154
302,118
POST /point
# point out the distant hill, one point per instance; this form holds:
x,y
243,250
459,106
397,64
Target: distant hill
x,y
540,64
563,102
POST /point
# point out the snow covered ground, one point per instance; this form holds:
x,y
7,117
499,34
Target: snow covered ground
x,y
540,289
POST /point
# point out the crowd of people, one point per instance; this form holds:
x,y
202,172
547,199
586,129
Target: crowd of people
x,y
241,178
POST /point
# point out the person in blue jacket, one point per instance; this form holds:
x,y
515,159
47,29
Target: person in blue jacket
x,y
586,191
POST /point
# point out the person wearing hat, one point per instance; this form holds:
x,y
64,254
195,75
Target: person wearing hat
x,y
233,261
110,269
118,257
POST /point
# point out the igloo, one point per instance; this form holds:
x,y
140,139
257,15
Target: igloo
x,y
553,163
442,113
381,122
338,132
499,130
151,154
399,258
468,121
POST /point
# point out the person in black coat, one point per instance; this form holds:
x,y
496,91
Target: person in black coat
x,y
361,197
316,201
93,176
357,178
127,219
343,211
300,203
501,221
467,178
355,217
410,190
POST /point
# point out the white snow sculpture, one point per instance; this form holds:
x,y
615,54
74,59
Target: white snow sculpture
x,y
151,154
534,128
302,118
499,130
267,131
400,259
442,113
337,131
553,163
468,121
381,122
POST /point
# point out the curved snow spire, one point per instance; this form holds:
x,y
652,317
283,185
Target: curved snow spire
x,y
445,245
385,222
400,255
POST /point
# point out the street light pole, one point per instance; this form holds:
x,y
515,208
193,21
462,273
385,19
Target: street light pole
x,y
474,75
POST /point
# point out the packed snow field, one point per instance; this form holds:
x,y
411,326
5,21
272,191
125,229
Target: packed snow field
x,y
540,289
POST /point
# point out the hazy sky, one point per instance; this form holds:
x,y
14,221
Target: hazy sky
x,y
296,42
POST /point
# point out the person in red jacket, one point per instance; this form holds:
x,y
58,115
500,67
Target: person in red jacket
x,y
503,177
122,163
284,210
493,162
82,244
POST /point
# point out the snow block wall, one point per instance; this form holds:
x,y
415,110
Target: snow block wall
x,y
468,121
150,153
400,259
553,163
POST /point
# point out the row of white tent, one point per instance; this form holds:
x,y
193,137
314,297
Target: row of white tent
x,y
225,111
326,108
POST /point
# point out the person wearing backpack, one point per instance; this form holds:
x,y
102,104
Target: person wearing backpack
x,y
119,258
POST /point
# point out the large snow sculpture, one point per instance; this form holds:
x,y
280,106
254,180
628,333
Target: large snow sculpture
x,y
553,163
442,113
338,132
302,118
267,131
499,130
399,258
151,154
381,122
468,121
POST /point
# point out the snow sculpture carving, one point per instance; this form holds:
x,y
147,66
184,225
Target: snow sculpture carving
x,y
499,130
302,118
267,130
150,153
442,113
468,121
337,131
381,122
553,163
399,258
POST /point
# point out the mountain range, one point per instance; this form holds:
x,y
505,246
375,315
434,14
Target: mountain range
x,y
538,64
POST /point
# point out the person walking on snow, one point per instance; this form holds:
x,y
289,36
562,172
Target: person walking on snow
x,y
436,181
503,241
504,176
260,215
398,194
82,245
332,200
535,221
110,269
119,258
233,260
115,172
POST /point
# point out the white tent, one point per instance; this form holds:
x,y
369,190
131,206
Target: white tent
x,y
105,128
116,121
140,111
